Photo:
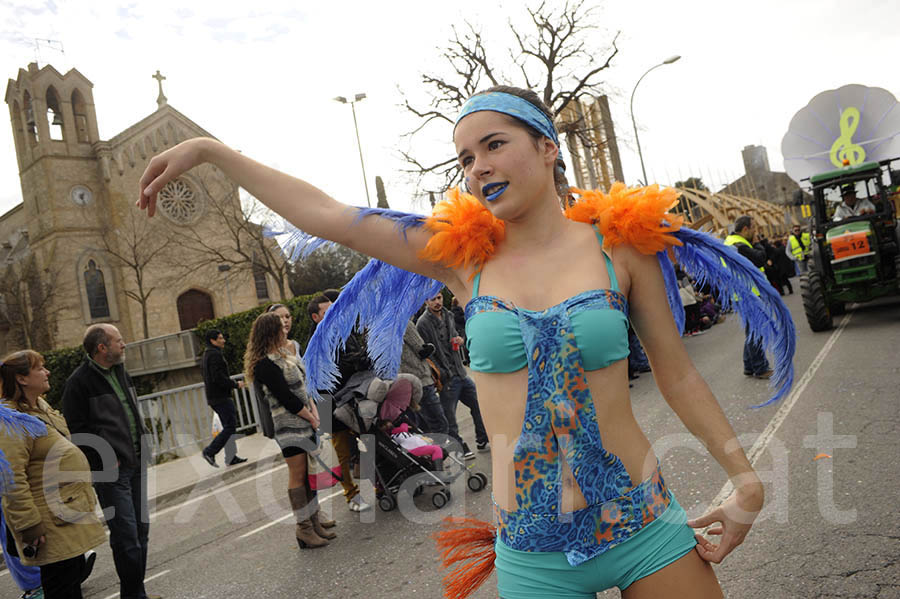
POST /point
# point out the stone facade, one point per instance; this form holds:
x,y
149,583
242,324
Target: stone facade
x,y
78,212
759,181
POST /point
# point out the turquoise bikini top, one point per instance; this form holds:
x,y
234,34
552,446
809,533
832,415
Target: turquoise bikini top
x,y
599,320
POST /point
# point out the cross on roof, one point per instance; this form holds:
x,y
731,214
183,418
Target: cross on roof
x,y
161,99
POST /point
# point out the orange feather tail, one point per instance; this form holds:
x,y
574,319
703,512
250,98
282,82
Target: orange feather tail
x,y
469,544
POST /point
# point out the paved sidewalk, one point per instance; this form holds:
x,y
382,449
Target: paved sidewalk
x,y
177,479
173,480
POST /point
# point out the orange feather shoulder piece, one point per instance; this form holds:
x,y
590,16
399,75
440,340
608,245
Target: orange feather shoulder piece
x,y
464,233
637,216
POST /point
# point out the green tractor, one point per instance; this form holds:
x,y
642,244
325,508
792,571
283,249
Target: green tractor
x,y
854,259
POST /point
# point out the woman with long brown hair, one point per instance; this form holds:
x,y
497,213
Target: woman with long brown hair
x,y
280,377
287,320
50,507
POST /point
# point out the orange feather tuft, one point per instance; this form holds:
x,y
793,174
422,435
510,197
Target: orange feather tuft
x,y
464,233
630,215
468,543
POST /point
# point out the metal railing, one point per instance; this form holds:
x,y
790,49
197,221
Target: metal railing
x,y
167,352
179,421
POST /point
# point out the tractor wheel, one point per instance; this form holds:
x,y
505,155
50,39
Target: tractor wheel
x,y
813,291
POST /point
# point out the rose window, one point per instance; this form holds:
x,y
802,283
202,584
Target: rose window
x,y
178,201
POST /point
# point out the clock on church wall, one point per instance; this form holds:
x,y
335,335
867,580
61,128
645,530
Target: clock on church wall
x,y
81,195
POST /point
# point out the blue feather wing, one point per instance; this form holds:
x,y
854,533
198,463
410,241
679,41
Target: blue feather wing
x,y
672,293
380,300
13,422
734,277
299,244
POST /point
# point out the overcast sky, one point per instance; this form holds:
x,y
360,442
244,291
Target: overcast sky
x,y
261,76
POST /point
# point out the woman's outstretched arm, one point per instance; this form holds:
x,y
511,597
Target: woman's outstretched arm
x,y
693,402
300,203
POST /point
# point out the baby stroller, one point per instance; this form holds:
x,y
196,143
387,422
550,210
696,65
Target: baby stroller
x,y
396,468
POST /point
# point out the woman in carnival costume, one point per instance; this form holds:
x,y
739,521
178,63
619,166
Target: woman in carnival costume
x,y
580,502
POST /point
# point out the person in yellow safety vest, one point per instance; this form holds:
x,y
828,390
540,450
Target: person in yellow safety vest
x,y
800,245
755,362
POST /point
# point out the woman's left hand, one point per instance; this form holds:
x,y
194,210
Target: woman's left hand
x,y
732,521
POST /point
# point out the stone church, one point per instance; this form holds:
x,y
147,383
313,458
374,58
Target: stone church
x,y
77,251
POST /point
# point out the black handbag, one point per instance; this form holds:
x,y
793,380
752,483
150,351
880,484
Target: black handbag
x,y
266,424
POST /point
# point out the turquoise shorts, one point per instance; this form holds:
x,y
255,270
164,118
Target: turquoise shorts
x,y
537,575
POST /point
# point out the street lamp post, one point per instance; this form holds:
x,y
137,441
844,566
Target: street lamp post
x,y
669,60
352,103
224,268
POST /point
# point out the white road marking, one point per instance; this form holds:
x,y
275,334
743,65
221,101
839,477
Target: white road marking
x,y
781,415
157,575
283,518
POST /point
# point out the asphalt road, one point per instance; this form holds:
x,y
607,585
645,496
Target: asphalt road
x,y
830,527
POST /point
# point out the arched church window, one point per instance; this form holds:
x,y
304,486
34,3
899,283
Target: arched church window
x,y
30,123
79,108
54,115
179,202
18,129
193,306
259,279
95,285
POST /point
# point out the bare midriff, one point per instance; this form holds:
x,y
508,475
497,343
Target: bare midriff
x,y
502,399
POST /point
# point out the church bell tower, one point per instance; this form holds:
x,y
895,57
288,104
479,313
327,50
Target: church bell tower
x,y
54,128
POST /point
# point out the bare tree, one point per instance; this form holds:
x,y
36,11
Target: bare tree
x,y
553,55
29,301
239,240
327,268
136,245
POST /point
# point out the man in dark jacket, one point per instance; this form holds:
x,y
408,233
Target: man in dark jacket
x,y
352,358
218,395
755,362
101,409
436,326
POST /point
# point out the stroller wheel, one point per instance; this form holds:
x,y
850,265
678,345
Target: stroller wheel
x,y
387,502
476,482
440,499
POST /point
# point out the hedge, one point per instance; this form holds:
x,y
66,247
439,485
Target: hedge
x,y
236,329
62,363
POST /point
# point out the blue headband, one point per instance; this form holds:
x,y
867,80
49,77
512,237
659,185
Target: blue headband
x,y
515,107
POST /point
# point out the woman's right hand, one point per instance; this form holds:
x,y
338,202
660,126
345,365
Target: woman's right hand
x,y
167,166
314,421
307,415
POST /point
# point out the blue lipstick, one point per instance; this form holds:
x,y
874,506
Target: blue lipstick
x,y
492,191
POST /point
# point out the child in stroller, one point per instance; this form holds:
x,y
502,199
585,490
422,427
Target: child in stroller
x,y
375,413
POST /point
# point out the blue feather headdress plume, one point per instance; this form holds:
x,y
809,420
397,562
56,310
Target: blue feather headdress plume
x,y
13,422
764,315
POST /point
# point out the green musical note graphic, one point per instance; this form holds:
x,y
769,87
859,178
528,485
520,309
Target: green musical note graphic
x,y
843,147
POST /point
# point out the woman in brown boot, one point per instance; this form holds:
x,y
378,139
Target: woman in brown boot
x,y
283,382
